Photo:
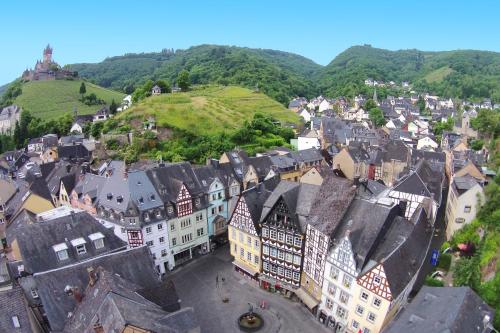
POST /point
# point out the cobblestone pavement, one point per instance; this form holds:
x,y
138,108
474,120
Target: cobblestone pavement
x,y
196,285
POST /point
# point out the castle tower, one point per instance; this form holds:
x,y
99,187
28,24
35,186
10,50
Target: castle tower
x,y
47,54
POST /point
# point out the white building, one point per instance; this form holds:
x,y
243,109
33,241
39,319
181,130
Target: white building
x,y
464,197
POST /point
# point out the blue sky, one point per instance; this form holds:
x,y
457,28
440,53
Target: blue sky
x,y
89,31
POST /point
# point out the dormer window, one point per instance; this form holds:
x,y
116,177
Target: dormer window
x,y
34,293
146,216
197,201
158,214
141,201
61,250
119,199
152,197
15,322
98,240
109,196
79,245
170,209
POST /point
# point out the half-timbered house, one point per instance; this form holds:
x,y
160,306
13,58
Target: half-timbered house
x,y
217,213
332,201
129,204
185,205
385,282
411,190
244,229
354,240
283,223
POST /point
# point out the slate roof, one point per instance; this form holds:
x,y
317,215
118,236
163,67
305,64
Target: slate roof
x,y
299,198
364,223
370,188
7,191
336,130
114,303
307,155
403,250
442,309
13,304
436,159
134,265
330,204
394,150
463,184
62,172
36,241
255,197
168,180
72,139
125,191
206,175
73,152
90,184
422,181
40,188
283,162
358,153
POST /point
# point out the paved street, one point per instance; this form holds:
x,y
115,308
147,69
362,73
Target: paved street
x,y
196,286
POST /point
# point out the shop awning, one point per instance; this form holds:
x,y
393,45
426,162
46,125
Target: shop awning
x,y
308,300
245,267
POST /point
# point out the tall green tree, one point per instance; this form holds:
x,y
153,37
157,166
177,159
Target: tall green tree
x,y
164,86
183,80
18,139
377,117
113,107
83,89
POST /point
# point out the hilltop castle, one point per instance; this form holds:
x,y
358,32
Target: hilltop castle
x,y
47,69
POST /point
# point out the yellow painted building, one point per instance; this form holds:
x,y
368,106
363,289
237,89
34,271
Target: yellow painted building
x,y
244,231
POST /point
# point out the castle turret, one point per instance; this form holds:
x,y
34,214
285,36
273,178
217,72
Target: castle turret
x,y
47,54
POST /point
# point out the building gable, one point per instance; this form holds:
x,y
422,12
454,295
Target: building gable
x,y
242,219
375,280
343,257
184,202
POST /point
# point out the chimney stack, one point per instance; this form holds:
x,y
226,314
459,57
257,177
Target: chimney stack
x,y
98,328
75,292
92,276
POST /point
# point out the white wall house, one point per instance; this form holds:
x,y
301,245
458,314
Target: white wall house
x,y
464,197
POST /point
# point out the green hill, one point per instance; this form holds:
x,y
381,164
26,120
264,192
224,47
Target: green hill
x,y
50,99
207,110
280,75
464,73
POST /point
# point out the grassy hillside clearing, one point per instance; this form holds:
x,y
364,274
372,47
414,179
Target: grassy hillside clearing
x,y
438,75
208,109
50,99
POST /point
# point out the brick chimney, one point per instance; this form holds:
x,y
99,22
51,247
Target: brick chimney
x,y
77,295
98,328
92,276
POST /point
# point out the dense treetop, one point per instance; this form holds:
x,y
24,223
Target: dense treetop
x,y
282,75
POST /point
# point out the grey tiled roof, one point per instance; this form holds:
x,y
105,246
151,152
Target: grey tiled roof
x,y
299,198
363,223
442,309
13,304
331,203
36,241
114,303
403,249
134,265
423,181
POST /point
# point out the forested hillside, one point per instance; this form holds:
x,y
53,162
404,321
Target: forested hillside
x,y
282,75
278,74
464,74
